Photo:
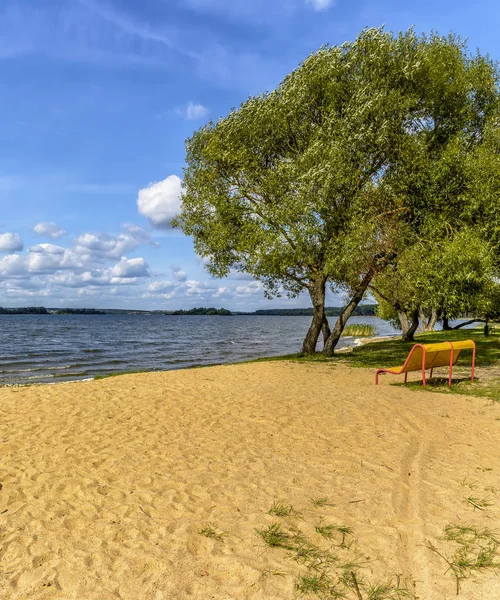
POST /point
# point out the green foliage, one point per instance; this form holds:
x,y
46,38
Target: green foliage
x,y
453,275
363,151
386,310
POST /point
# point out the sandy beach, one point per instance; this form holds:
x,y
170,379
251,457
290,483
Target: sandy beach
x,y
107,484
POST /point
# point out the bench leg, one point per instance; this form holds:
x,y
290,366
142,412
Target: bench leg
x,y
406,377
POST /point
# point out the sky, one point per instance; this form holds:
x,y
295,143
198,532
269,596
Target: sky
x,y
97,98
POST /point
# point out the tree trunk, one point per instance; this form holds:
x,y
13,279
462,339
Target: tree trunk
x,y
409,324
325,329
446,324
317,292
429,323
333,339
405,324
460,325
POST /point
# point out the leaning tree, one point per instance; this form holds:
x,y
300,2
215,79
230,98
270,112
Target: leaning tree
x,y
319,182
444,278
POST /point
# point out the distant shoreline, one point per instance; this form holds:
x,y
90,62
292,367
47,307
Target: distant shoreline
x,y
364,310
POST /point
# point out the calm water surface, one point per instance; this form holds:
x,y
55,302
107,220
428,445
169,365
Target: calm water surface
x,y
51,348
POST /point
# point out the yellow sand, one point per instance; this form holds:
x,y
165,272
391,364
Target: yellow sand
x,y
107,484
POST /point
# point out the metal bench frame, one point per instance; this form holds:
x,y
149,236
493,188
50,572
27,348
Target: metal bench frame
x,y
427,349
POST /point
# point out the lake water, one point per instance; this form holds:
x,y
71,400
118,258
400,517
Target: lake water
x,y
52,348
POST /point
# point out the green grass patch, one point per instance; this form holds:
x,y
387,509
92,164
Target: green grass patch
x,y
359,330
326,568
210,531
280,508
489,388
392,353
474,550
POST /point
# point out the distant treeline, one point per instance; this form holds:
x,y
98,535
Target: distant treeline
x,y
29,310
362,310
41,310
202,311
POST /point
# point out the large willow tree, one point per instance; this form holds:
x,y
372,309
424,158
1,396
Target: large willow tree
x,y
323,180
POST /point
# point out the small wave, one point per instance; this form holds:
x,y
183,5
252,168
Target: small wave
x,y
92,350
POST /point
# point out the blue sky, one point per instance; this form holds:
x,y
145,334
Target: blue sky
x,y
96,100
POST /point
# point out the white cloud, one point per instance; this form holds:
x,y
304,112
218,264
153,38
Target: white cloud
x,y
319,5
12,265
139,234
10,242
161,286
130,267
104,245
192,111
49,229
160,202
178,274
255,287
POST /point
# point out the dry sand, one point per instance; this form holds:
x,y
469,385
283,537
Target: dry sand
x,y
106,484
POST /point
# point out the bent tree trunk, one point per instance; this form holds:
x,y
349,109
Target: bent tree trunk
x,y
333,340
446,324
429,323
409,324
319,323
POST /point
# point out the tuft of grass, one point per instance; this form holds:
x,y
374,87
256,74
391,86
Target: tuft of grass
x,y
328,531
359,330
210,531
280,508
479,503
390,590
317,584
321,502
274,536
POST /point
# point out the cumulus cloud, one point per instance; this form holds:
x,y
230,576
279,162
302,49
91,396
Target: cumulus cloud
x,y
161,286
10,242
49,229
104,245
139,234
130,267
12,265
192,111
178,274
319,5
160,202
255,287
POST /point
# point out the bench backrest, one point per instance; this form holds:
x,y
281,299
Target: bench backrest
x,y
436,355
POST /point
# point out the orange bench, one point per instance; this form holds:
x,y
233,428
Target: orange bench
x,y
430,356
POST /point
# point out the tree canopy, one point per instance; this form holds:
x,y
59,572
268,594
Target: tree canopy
x,y
362,151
